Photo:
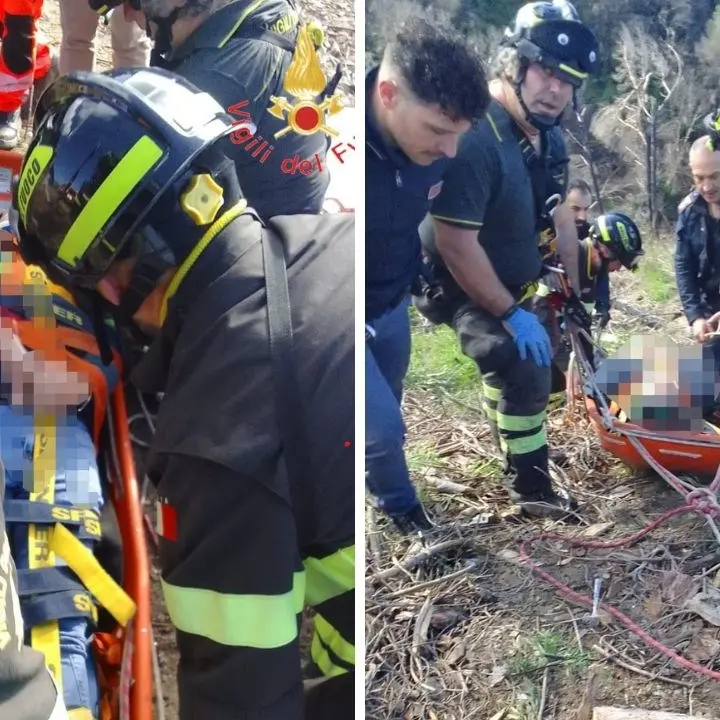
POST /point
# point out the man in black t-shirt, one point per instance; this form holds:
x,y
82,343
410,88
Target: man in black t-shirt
x,y
501,200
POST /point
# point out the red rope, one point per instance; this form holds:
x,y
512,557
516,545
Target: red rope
x,y
702,501
695,505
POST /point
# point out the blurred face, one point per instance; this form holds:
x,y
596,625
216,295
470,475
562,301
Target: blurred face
x,y
543,93
613,264
579,203
423,132
705,169
113,286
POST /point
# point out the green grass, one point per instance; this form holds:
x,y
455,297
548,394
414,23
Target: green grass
x,y
421,455
437,363
547,646
657,281
537,652
486,468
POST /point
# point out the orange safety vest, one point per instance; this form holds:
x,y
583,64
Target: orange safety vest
x,y
23,59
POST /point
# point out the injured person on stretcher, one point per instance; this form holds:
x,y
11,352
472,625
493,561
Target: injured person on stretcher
x,y
662,386
50,431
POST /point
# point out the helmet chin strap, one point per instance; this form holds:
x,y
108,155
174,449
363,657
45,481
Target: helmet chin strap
x,y
146,274
163,35
145,278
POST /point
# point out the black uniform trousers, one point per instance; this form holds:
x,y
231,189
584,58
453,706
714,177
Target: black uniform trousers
x,y
515,391
236,581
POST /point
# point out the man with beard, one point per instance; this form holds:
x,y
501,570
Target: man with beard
x,y
500,213
579,200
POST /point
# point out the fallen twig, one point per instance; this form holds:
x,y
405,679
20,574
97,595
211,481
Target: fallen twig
x,y
422,624
430,583
448,485
639,671
543,694
416,560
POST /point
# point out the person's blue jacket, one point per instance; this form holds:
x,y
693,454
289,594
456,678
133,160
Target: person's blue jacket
x,y
696,273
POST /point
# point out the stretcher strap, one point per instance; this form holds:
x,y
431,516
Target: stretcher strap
x,y
529,291
41,609
46,580
44,637
41,513
92,575
80,714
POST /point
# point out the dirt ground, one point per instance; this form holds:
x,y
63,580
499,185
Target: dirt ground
x,y
460,626
337,17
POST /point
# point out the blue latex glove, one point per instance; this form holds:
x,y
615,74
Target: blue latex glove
x,y
530,335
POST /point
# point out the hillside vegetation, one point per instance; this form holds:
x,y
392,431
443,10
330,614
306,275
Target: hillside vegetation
x,y
660,76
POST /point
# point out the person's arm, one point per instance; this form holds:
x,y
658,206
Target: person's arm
x,y
27,380
568,244
458,214
469,264
12,354
686,269
602,292
233,584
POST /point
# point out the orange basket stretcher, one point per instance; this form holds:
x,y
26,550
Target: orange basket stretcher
x,y
696,453
125,656
685,452
131,673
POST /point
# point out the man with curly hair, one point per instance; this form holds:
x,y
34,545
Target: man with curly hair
x,y
427,90
500,215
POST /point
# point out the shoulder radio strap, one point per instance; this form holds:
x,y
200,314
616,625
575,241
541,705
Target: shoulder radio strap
x,y
288,403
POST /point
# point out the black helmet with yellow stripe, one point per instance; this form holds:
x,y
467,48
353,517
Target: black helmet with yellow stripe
x,y
620,235
552,35
122,165
712,125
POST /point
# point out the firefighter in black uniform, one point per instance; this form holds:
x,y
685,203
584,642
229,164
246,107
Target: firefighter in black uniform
x,y
240,52
500,211
613,241
124,195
